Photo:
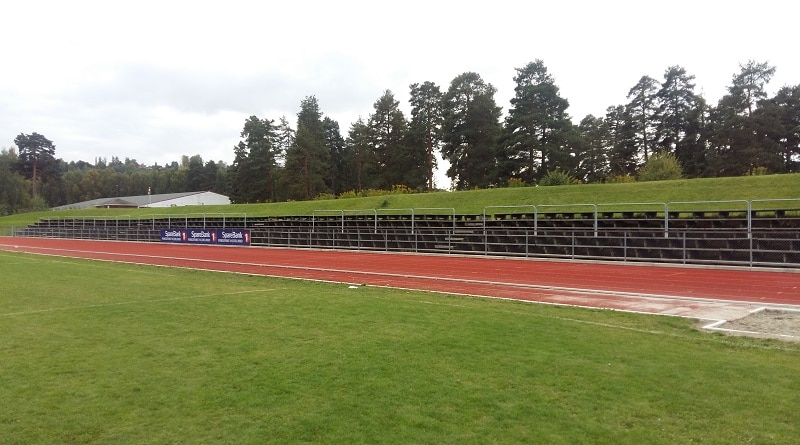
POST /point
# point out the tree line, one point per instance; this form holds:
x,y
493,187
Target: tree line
x,y
746,132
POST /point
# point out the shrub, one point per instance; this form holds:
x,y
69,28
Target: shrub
x,y
661,166
557,177
349,194
516,182
401,189
620,179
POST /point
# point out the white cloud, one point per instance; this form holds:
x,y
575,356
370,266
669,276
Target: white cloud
x,y
156,80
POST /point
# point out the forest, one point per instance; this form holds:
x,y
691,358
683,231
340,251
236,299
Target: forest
x,y
535,142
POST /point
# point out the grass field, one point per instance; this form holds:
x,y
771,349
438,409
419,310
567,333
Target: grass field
x,y
107,353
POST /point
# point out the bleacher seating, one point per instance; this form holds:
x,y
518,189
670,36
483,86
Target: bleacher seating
x,y
767,238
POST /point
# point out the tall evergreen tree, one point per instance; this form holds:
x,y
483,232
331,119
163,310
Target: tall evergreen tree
x,y
780,118
426,124
35,157
237,177
623,159
593,160
14,190
470,130
676,101
538,128
737,137
285,135
388,128
361,157
257,174
308,159
194,179
748,86
335,145
692,152
641,110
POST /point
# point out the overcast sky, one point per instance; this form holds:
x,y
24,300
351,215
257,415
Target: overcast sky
x,y
154,80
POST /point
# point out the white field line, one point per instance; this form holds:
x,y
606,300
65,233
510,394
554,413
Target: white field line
x,y
717,325
594,323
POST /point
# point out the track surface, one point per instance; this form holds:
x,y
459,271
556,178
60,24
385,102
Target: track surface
x,y
702,293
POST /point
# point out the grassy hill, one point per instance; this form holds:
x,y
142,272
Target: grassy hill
x,y
474,202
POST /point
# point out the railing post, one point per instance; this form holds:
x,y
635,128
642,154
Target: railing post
x,y
684,248
625,246
750,223
527,244
573,244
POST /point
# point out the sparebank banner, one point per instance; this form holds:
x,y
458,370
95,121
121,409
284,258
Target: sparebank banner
x,y
171,236
199,236
235,237
231,237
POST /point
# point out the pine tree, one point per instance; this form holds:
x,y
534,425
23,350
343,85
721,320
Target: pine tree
x,y
676,101
35,157
593,159
361,157
308,160
538,128
426,125
470,130
388,128
642,110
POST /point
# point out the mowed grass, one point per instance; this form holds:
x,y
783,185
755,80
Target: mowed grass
x,y
107,353
783,187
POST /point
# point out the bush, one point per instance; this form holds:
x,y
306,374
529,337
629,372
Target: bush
x,y
557,177
324,196
38,203
402,189
661,166
516,182
620,179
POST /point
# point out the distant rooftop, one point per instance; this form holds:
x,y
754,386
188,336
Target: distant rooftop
x,y
159,200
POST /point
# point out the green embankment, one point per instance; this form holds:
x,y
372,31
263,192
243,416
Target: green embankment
x,y
475,201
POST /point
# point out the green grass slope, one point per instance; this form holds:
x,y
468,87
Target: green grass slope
x,y
474,202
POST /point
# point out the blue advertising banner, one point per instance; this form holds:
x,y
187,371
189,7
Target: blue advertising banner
x,y
200,236
171,236
237,237
228,237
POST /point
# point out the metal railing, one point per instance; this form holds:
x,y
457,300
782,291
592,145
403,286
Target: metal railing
x,y
658,232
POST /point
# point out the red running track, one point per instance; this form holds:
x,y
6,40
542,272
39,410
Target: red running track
x,y
710,293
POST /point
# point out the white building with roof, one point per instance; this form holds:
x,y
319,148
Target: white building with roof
x,y
161,200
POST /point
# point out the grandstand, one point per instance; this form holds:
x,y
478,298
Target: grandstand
x,y
742,233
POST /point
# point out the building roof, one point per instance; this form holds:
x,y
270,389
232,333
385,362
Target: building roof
x,y
129,201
